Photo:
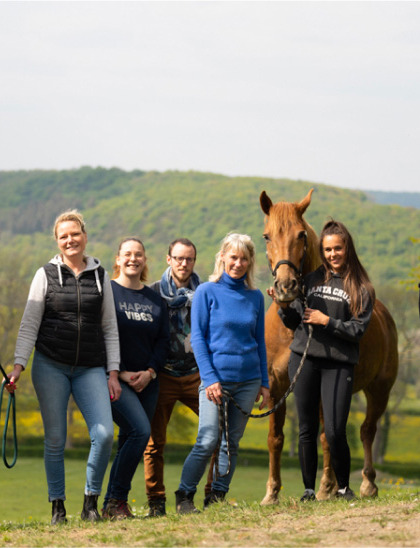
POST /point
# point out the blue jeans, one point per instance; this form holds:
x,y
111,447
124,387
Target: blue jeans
x,y
54,382
208,433
133,413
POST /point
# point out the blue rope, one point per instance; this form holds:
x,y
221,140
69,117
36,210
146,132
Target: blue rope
x,y
11,405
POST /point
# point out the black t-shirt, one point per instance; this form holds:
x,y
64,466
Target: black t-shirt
x,y
143,328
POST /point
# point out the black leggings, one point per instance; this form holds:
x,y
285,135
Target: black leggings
x,y
329,383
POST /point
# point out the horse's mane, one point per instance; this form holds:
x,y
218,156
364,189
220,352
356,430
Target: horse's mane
x,y
313,258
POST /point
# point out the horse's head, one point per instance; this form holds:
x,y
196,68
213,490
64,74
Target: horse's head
x,y
292,245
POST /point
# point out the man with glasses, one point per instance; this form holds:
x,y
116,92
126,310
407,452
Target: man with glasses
x,y
180,379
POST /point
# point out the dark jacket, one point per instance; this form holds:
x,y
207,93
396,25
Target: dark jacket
x,y
339,339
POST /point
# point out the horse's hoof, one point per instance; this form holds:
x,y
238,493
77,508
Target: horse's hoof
x,y
368,490
327,490
269,500
325,495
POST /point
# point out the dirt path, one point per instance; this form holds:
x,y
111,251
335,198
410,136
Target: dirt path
x,y
396,525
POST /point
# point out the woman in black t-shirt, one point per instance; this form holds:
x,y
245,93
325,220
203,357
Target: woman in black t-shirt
x,y
144,340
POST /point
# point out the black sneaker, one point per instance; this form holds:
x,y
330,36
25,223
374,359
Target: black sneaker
x,y
308,494
346,494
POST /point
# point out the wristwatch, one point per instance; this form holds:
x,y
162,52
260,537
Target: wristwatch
x,y
152,373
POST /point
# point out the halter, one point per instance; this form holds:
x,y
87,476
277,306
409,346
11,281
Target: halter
x,y
297,270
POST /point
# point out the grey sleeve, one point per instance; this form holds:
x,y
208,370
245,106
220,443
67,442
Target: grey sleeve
x,y
31,319
110,327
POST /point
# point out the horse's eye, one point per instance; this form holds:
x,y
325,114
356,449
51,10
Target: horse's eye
x,y
266,237
302,234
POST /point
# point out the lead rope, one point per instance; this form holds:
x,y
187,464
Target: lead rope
x,y
223,410
11,405
223,407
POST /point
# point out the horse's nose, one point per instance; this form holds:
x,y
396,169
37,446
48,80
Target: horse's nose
x,y
288,286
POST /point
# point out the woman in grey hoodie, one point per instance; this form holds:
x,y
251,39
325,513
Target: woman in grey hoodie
x,y
70,319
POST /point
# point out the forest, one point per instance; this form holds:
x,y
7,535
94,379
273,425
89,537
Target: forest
x,y
160,206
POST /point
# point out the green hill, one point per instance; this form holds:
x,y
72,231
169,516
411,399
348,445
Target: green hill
x,y
158,207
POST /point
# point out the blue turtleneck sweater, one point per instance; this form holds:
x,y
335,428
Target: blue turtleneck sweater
x,y
227,332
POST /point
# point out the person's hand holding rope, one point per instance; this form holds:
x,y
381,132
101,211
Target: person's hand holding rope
x,y
9,382
264,393
315,317
214,393
13,378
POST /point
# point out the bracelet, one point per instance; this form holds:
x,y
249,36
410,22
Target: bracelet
x,y
152,373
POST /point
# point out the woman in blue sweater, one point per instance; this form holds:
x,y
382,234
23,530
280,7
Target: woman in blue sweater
x,y
144,340
227,336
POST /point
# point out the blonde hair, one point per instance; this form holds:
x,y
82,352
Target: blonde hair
x,y
69,215
236,242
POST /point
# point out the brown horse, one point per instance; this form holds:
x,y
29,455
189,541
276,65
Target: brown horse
x,y
293,241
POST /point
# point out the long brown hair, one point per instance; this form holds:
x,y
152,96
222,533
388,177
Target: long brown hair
x,y
355,277
116,267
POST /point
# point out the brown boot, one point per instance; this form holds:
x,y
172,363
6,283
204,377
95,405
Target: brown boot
x,y
117,509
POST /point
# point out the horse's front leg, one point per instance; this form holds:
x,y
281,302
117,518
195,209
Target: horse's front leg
x,y
275,447
328,485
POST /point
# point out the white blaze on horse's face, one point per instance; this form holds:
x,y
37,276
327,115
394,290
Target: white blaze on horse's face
x,y
285,236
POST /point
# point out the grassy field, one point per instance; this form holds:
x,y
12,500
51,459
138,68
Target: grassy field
x,y
24,496
393,519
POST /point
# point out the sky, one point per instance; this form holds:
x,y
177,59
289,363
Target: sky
x,y
327,92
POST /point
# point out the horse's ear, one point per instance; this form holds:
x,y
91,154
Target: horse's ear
x,y
265,202
303,205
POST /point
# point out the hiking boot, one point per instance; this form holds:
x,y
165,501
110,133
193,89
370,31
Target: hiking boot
x,y
346,494
117,509
58,512
90,508
104,512
308,494
185,503
212,497
156,508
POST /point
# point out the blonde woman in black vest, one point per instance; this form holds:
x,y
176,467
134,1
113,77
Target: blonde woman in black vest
x,y
70,319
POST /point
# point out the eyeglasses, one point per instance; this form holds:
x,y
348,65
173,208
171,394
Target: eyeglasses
x,y
180,260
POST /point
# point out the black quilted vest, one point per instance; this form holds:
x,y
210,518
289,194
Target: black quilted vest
x,y
70,330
